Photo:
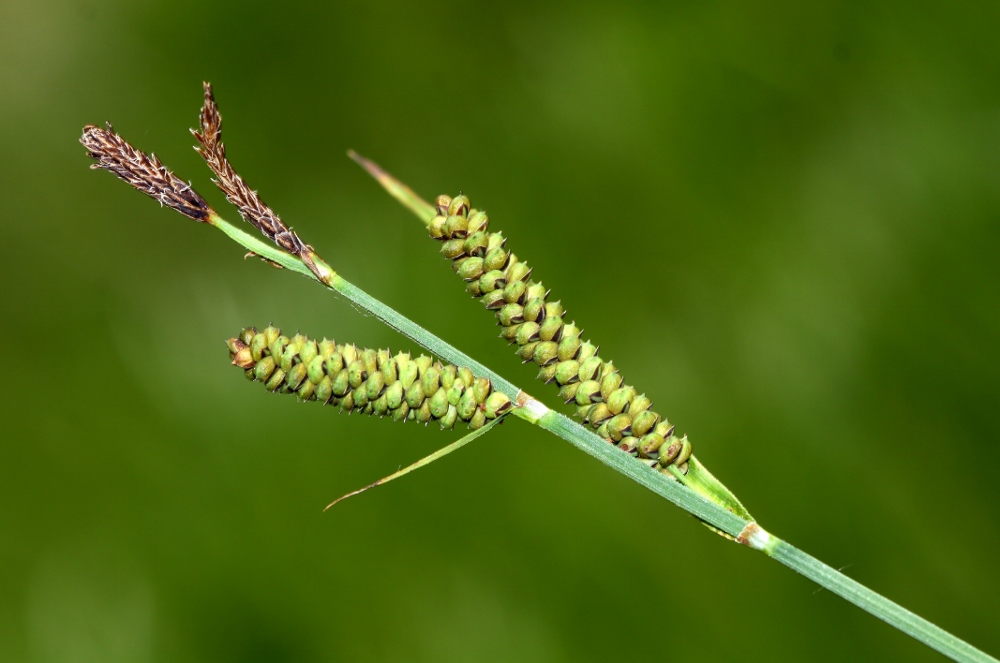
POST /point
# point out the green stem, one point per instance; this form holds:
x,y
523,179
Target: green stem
x,y
589,442
743,530
876,604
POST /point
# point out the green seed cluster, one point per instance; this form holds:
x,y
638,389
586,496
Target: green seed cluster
x,y
368,381
604,402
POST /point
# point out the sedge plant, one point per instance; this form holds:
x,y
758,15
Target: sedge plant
x,y
616,423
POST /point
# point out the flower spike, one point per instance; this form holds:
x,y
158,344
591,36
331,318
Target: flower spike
x,y
538,327
251,207
367,381
144,172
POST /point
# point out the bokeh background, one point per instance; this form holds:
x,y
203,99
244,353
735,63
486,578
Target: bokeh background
x,y
782,222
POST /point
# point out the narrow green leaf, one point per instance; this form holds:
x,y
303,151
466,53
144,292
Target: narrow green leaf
x,y
404,194
427,460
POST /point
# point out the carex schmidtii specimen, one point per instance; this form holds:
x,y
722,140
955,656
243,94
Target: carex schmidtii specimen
x,y
422,389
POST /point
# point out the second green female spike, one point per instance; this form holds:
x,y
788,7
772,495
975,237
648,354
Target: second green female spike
x,y
368,381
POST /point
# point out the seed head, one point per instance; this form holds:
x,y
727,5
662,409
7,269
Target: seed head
x,y
537,325
251,207
367,381
145,172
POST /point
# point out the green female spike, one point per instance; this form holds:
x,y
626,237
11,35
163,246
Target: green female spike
x,y
537,326
367,381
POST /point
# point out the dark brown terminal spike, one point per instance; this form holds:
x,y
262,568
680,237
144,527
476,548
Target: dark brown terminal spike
x,y
251,207
143,171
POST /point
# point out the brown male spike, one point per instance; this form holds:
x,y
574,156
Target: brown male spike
x,y
251,207
143,171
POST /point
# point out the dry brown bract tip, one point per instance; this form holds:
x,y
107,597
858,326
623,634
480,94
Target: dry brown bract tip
x,y
251,207
145,172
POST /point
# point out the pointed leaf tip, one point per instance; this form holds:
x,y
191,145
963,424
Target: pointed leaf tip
x,y
404,194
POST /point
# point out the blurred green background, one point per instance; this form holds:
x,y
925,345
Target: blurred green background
x,y
782,222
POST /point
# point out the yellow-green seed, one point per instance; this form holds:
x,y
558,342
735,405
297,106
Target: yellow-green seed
x,y
341,384
568,392
276,380
380,406
527,351
511,314
431,381
448,376
619,426
450,418
527,333
394,395
456,226
496,404
439,403
534,310
375,385
355,374
481,388
567,371
264,369
257,345
415,394
545,353
315,369
308,352
547,373
588,392
590,368
551,329
568,347
643,422
295,376
650,444
324,390
618,400
598,413
360,395
467,405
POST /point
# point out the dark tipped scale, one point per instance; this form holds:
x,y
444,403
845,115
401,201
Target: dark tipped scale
x,y
539,329
368,381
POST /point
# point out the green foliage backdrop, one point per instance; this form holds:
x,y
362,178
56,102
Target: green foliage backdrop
x,y
782,222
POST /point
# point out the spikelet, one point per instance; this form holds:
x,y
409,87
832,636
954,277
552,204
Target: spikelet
x,y
143,171
247,202
367,381
603,401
